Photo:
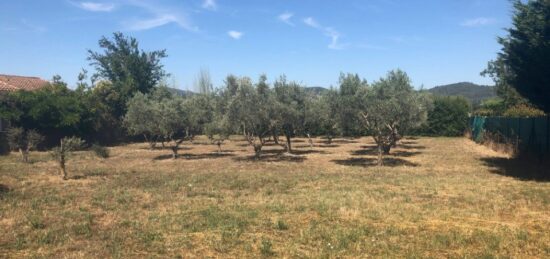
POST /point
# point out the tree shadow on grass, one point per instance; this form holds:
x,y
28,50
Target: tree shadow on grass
x,y
521,169
317,145
196,156
204,143
272,157
370,162
405,142
327,145
167,147
294,151
4,189
88,175
343,141
410,146
372,150
308,151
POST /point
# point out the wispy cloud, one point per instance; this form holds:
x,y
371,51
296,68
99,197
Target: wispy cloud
x,y
285,17
96,7
235,34
309,21
160,16
330,32
210,4
477,22
146,24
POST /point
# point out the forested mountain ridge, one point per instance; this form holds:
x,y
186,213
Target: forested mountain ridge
x,y
473,92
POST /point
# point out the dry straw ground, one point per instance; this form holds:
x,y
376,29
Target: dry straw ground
x,y
436,197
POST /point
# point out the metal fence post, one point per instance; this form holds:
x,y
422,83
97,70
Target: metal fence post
x,y
548,134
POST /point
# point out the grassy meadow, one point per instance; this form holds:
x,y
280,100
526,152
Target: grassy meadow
x,y
434,198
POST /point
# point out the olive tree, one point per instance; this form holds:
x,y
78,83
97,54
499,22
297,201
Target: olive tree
x,y
391,107
319,117
24,141
217,131
248,112
62,152
290,98
347,104
172,120
328,110
140,119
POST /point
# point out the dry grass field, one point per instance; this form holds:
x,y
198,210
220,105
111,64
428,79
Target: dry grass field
x,y
436,197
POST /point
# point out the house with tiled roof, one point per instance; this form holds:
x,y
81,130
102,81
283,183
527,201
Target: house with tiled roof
x,y
10,83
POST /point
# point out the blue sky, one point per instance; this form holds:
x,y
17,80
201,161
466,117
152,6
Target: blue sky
x,y
311,41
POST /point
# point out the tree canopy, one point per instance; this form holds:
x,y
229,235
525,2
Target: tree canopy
x,y
391,107
128,68
524,60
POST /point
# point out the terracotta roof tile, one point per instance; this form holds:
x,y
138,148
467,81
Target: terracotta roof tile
x,y
14,83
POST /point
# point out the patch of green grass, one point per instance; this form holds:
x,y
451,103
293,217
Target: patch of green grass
x,y
281,225
36,221
266,248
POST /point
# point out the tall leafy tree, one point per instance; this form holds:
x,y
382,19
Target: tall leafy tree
x,y
203,82
524,60
128,68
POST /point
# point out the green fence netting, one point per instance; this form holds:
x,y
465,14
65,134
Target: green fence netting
x,y
528,134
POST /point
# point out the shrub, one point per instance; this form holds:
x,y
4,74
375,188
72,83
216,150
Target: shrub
x,y
522,111
449,117
24,141
100,151
61,153
266,248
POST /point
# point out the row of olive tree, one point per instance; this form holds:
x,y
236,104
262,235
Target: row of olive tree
x,y
261,112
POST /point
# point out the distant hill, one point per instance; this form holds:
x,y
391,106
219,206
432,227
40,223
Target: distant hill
x,y
315,90
474,93
181,92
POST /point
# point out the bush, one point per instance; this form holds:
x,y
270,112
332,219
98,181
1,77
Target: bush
x,y
449,117
100,151
266,248
491,107
523,111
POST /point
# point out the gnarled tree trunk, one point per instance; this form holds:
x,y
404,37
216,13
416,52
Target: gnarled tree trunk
x,y
257,151
380,156
24,155
219,143
275,137
62,169
309,140
329,139
288,143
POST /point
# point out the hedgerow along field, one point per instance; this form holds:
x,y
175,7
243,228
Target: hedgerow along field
x,y
434,197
